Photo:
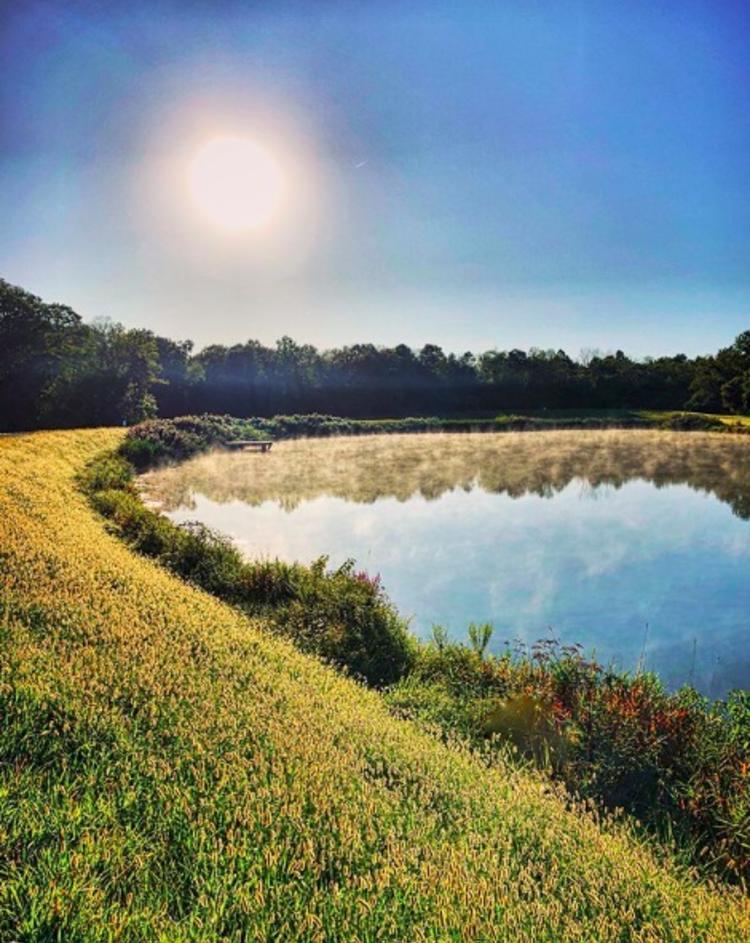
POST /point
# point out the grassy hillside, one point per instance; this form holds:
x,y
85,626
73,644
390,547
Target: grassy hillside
x,y
169,771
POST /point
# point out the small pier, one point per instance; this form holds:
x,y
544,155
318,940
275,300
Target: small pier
x,y
253,445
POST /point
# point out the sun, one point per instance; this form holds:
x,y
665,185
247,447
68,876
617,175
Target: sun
x,y
235,183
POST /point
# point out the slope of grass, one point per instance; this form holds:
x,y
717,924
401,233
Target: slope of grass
x,y
169,771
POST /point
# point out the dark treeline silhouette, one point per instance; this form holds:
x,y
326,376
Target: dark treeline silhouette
x,y
55,370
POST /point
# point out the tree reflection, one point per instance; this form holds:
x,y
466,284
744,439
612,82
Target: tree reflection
x,y
516,464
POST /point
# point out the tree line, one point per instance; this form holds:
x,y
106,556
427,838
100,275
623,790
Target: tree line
x,y
57,371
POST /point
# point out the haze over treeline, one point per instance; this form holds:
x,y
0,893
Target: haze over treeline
x,y
56,370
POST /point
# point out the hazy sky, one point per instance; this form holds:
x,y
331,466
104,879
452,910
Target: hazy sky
x,y
557,174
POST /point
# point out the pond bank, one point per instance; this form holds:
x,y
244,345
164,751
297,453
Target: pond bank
x,y
331,613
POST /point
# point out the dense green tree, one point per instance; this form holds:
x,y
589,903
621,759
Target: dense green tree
x,y
722,382
57,371
37,341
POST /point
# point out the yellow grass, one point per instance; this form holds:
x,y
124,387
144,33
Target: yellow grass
x,y
170,772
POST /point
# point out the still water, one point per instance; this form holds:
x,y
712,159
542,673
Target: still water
x,y
634,544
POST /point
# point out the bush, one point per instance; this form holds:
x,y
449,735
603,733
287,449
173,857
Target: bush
x,y
694,422
111,471
679,763
159,440
345,617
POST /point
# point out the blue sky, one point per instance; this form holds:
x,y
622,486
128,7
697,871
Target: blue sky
x,y
553,174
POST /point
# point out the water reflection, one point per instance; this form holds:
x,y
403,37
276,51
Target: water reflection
x,y
633,543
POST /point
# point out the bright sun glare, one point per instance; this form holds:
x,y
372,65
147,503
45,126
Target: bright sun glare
x,y
235,183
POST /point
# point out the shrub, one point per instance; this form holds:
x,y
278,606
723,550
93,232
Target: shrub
x,y
111,471
694,422
347,620
158,440
679,763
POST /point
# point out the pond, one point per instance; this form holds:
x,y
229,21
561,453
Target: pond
x,y
634,544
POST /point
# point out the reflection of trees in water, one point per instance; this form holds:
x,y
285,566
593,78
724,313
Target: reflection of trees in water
x,y
741,506
429,465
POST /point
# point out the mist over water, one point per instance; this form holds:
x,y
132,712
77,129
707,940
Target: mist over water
x,y
635,544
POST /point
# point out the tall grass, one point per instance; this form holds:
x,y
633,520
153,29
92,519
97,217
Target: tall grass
x,y
170,771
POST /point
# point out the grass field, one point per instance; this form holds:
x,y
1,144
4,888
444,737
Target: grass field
x,y
171,772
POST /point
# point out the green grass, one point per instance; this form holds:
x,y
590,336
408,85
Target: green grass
x,y
170,771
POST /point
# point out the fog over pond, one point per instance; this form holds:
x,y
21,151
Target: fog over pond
x,y
635,544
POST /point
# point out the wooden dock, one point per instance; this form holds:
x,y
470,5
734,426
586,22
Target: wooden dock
x,y
255,445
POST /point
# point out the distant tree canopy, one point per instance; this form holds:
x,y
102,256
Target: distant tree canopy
x,y
57,371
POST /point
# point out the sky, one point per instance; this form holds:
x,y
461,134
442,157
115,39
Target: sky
x,y
570,173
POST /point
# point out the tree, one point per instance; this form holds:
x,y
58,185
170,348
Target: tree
x,y
735,393
36,342
57,371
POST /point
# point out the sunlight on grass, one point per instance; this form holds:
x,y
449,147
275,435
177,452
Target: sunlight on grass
x,y
170,771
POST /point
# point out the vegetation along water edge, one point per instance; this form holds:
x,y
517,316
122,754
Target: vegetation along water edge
x,y
169,769
674,759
